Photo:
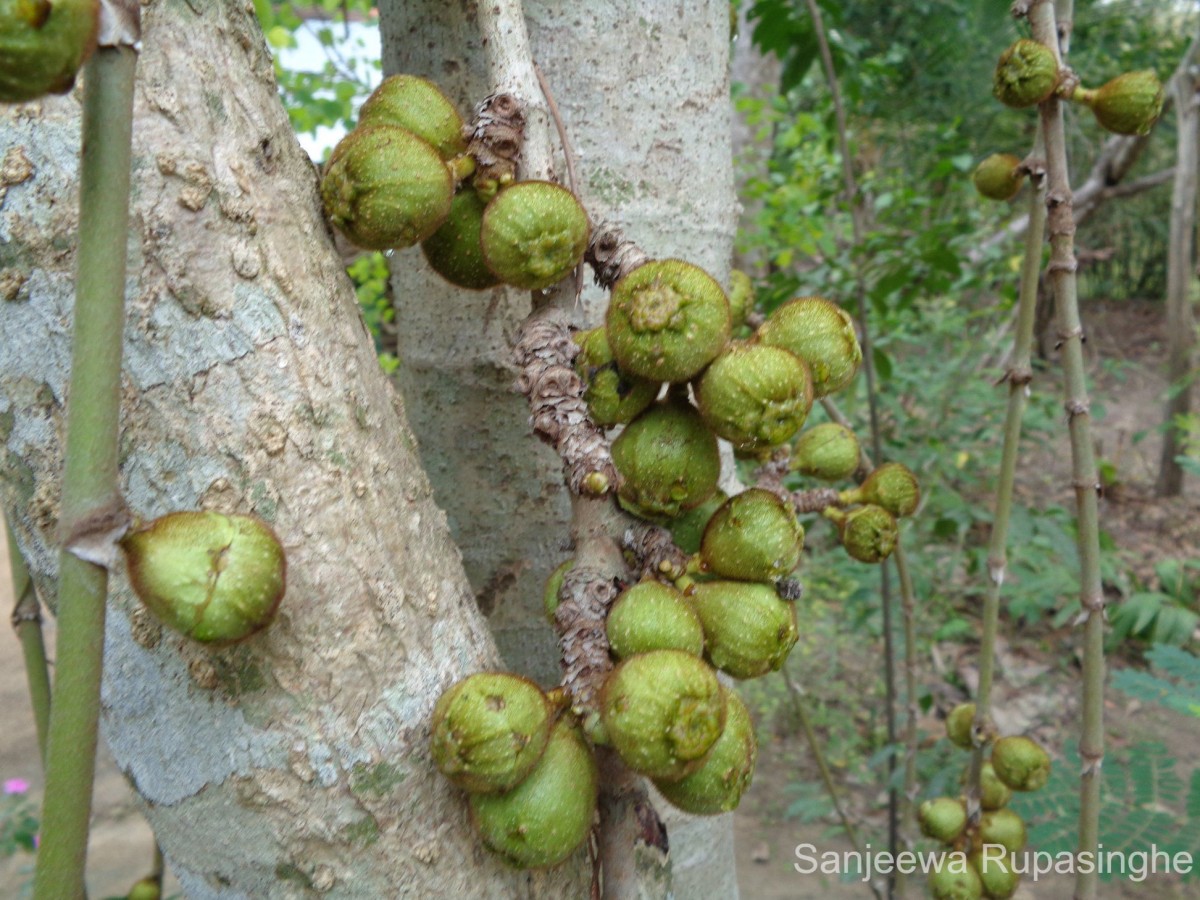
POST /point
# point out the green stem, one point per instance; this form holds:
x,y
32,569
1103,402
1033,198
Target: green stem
x,y
90,487
27,622
1061,272
1018,376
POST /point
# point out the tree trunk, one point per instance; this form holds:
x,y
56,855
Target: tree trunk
x,y
295,764
1181,328
643,91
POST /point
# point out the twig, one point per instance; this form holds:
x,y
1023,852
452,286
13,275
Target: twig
x,y
568,156
27,623
91,499
1061,274
1018,376
814,747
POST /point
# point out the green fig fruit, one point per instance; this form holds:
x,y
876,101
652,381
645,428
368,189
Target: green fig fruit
x,y
741,297
533,234
547,816
748,629
997,873
1004,828
1128,104
754,537
993,793
1021,763
828,451
553,585
147,888
384,187
1026,74
999,176
43,43
960,724
952,878
892,486
418,106
212,577
489,731
613,398
454,252
717,786
754,395
667,320
868,533
663,711
668,461
687,529
942,818
822,334
653,616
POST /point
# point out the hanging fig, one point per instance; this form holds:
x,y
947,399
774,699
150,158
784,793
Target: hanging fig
x,y
613,397
997,873
454,252
892,486
754,395
828,451
384,188
754,537
545,818
960,724
993,793
822,334
42,45
489,731
418,106
663,711
999,176
667,320
942,818
653,616
717,786
951,878
748,629
668,461
1004,828
212,577
868,533
533,234
1026,74
1021,763
1128,104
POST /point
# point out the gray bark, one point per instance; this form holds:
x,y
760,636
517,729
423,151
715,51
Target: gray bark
x,y
644,94
294,765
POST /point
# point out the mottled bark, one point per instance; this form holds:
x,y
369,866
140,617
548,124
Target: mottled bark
x,y
644,95
295,764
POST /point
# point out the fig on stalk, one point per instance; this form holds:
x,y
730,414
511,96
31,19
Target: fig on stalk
x,y
951,878
1003,827
667,320
748,629
419,106
42,45
997,874
998,177
453,251
829,452
717,786
942,818
1021,763
754,537
533,234
489,731
1128,104
754,395
545,818
1026,74
612,396
687,529
741,297
668,461
868,533
663,711
892,486
960,724
385,188
653,616
822,334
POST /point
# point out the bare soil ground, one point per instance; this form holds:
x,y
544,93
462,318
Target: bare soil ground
x,y
1039,688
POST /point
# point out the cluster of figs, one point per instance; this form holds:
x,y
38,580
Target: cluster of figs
x,y
1028,73
990,843
676,367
